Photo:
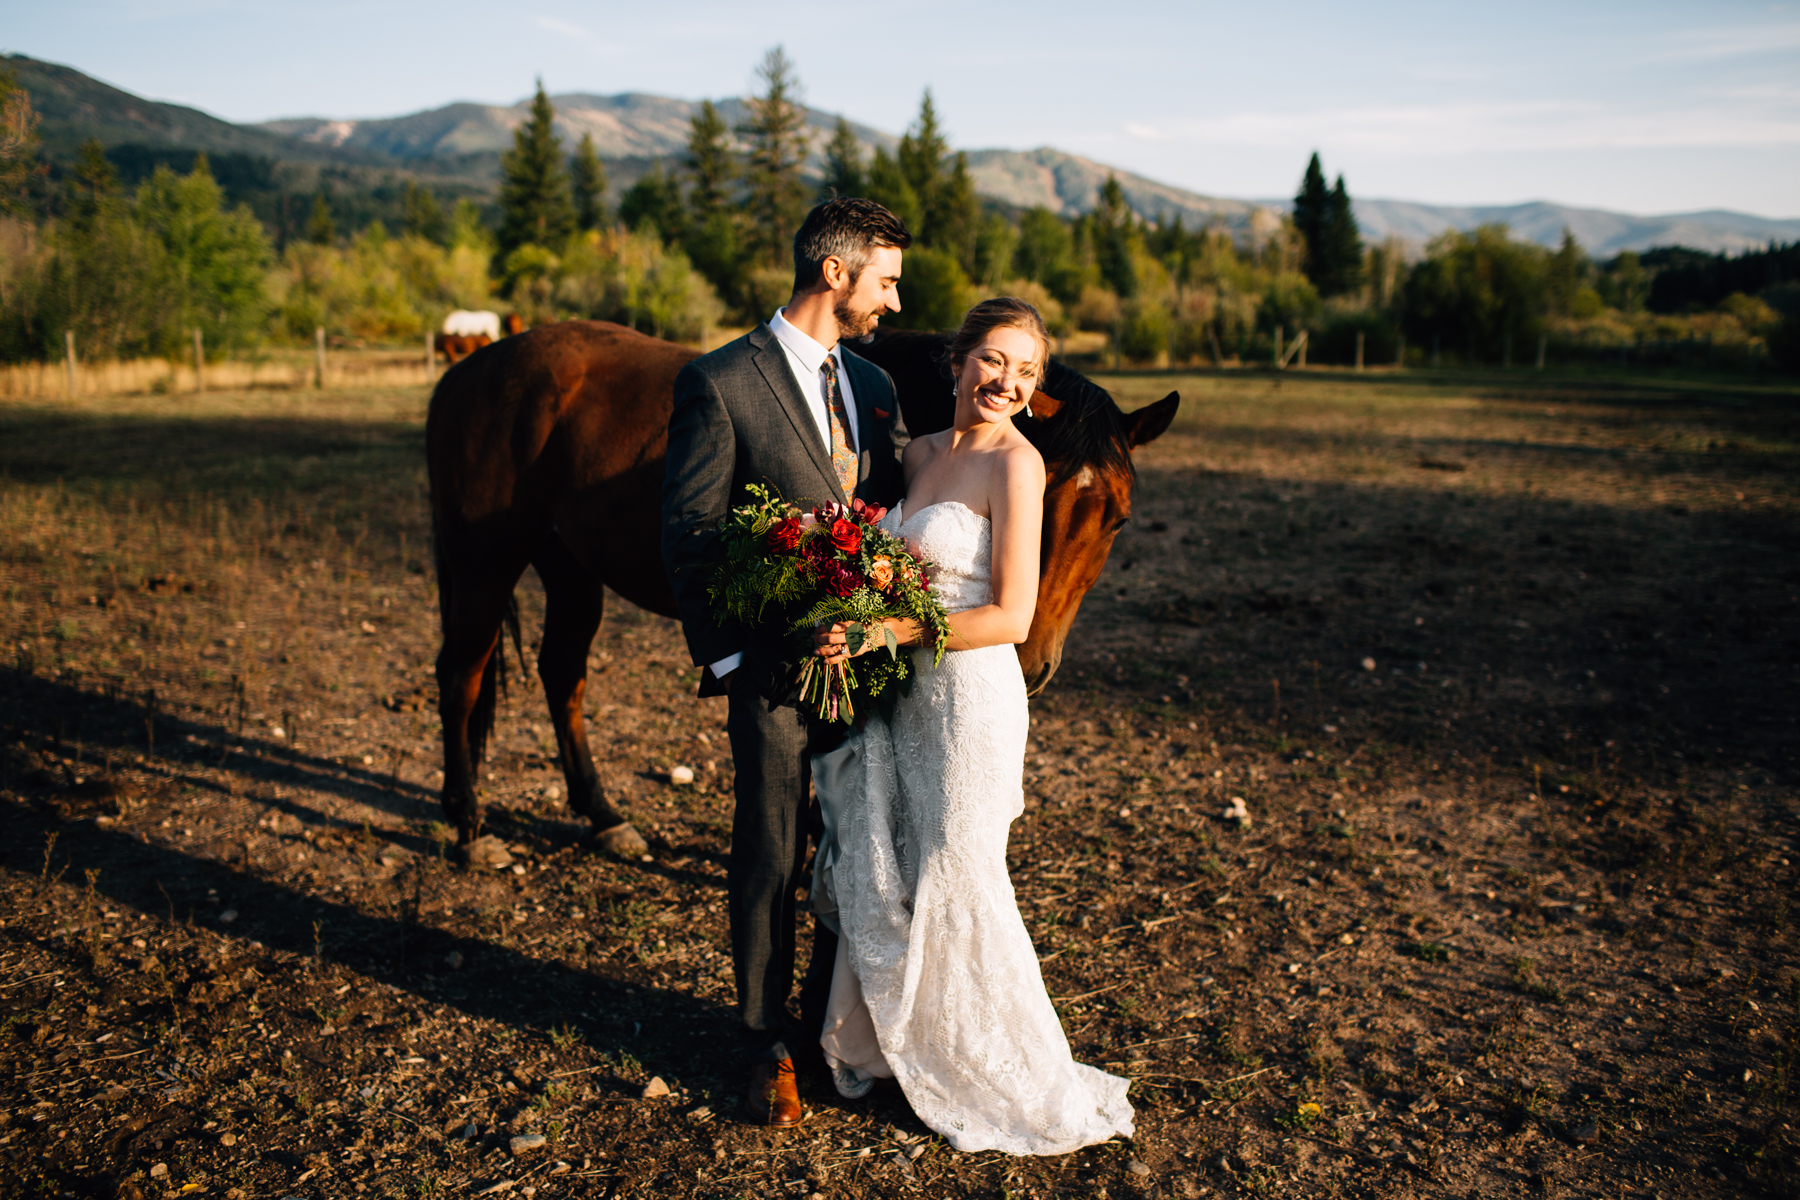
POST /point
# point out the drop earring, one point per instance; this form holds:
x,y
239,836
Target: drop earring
x,y
1028,411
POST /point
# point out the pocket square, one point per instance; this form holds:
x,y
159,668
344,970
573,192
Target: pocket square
x,y
882,414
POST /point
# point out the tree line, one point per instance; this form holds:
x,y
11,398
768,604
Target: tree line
x,y
705,240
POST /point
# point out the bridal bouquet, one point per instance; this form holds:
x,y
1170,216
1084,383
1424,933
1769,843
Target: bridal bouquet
x,y
827,566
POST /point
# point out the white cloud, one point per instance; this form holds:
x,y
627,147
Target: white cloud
x,y
1699,45
1495,128
1145,133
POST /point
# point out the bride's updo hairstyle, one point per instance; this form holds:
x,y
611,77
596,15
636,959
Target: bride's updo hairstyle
x,y
1002,312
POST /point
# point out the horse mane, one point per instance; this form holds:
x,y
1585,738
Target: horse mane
x,y
1087,432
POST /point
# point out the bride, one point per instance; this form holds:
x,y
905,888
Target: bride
x,y
936,982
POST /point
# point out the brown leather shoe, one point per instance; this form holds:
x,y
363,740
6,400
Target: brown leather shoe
x,y
774,1100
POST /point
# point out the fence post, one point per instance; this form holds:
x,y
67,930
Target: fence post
x,y
69,359
199,362
1400,351
319,357
1300,347
1543,344
1278,347
1359,349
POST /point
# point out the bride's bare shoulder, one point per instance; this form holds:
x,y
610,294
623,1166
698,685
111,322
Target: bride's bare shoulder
x,y
1020,456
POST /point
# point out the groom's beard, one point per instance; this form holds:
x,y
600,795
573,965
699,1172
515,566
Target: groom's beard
x,y
851,323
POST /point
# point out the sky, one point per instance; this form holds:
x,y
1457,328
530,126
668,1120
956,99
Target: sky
x,y
1645,106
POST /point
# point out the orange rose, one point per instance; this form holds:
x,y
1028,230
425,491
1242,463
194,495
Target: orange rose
x,y
881,572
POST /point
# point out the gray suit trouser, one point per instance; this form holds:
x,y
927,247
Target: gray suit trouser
x,y
769,828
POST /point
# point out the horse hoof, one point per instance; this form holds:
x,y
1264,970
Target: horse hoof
x,y
621,841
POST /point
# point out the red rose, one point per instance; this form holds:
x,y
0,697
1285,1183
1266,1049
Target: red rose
x,y
839,580
846,535
785,535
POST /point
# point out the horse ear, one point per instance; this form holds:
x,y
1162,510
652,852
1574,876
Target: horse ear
x,y
1043,404
1149,422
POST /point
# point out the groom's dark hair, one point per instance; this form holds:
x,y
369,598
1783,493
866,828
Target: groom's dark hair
x,y
849,228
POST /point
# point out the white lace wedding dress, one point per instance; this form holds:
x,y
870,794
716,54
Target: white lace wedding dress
x,y
937,983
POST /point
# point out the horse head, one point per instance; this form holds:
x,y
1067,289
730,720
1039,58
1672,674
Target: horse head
x,y
1086,443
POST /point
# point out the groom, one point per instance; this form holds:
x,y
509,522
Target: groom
x,y
788,405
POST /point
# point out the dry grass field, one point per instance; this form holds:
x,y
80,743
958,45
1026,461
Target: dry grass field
x,y
1503,669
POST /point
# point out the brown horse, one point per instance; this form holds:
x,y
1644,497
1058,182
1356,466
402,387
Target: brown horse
x,y
457,346
546,450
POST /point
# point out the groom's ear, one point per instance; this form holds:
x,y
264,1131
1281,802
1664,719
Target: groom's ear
x,y
1043,404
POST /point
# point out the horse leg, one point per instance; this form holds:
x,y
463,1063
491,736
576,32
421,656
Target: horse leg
x,y
573,601
467,675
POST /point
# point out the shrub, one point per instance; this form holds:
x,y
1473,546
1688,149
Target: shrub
x,y
1335,342
934,291
633,279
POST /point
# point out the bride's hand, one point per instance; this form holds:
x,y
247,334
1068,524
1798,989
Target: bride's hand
x,y
831,644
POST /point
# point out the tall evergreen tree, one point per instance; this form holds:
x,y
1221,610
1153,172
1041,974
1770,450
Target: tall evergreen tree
x,y
654,202
320,228
921,155
1114,237
709,161
535,206
587,185
887,185
1046,253
776,129
18,140
1343,245
712,237
1327,226
844,174
420,214
1312,213
1568,268
94,185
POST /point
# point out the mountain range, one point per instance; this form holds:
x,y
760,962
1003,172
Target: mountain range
x,y
462,142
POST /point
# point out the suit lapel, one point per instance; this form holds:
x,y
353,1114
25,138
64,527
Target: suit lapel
x,y
772,361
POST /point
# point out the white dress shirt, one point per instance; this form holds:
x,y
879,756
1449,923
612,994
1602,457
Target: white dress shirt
x,y
806,359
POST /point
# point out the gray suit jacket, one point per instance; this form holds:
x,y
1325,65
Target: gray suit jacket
x,y
739,419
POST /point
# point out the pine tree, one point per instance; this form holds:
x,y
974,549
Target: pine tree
x,y
1343,245
776,129
921,156
1568,269
844,174
18,140
956,220
712,238
1311,214
420,214
709,161
320,228
535,205
95,185
887,185
587,185
654,203
1115,237
1327,225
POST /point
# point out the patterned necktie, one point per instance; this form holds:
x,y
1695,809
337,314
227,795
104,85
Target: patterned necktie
x,y
843,450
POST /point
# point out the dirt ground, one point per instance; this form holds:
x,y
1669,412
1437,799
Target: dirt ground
x,y
1501,667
